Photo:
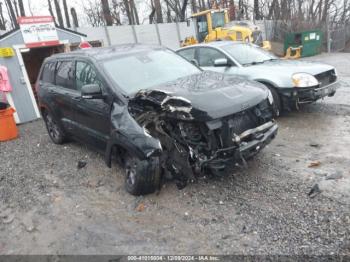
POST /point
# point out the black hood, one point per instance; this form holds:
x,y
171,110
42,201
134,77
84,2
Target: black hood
x,y
209,94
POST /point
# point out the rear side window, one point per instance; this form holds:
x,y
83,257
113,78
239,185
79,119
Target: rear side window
x,y
187,53
48,74
64,75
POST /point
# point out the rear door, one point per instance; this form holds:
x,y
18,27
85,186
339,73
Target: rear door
x,y
64,92
91,116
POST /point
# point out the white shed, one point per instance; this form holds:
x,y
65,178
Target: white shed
x,y
23,61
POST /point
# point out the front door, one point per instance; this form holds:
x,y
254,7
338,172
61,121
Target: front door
x,y
207,57
92,116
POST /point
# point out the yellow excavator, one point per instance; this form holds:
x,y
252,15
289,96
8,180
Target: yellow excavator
x,y
214,25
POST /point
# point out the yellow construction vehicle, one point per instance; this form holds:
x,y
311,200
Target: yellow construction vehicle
x,y
213,25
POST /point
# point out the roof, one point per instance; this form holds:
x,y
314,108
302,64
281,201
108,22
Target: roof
x,y
101,53
215,44
59,27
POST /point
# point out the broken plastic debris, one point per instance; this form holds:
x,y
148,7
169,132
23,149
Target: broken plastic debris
x,y
81,164
315,164
140,207
315,190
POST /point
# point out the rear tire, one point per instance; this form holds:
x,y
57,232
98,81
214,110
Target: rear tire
x,y
54,130
141,176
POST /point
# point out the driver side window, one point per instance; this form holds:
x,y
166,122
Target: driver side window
x,y
85,75
207,56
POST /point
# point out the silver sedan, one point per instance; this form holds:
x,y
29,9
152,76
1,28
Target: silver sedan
x,y
291,82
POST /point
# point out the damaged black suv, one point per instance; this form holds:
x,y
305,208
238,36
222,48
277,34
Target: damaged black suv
x,y
158,114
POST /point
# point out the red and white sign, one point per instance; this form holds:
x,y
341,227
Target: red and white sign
x,y
38,31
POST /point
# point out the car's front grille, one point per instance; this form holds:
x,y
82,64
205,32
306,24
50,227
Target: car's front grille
x,y
240,122
326,78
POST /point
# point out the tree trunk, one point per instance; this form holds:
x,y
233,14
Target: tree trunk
x,y
51,11
106,12
2,19
59,13
257,10
66,14
128,12
21,8
194,6
16,8
134,12
168,13
158,8
203,5
74,17
12,14
183,10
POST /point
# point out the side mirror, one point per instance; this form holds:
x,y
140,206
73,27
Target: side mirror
x,y
92,91
188,22
221,62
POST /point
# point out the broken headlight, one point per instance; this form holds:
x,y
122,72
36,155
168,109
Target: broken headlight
x,y
304,80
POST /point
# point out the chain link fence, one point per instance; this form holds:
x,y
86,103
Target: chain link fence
x,y
340,38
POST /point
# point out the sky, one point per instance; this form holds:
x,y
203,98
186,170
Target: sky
x,y
40,7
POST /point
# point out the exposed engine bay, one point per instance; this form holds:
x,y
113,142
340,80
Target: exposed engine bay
x,y
192,143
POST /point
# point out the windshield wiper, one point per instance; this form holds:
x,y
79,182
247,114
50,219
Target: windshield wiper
x,y
255,63
261,62
271,59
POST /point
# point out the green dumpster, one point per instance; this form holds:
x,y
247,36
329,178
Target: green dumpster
x,y
311,41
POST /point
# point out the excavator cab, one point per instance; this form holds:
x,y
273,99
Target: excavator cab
x,y
214,25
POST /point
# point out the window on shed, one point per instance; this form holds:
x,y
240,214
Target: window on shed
x,y
64,76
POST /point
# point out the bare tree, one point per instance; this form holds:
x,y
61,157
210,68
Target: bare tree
x,y
51,11
11,13
21,8
59,13
117,8
74,17
131,12
93,12
66,14
179,8
106,12
16,7
194,6
158,9
134,11
152,14
256,10
2,19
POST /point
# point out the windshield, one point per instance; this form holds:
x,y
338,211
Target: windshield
x,y
218,19
147,69
246,54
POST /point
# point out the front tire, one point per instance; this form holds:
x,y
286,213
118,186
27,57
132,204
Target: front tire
x,y
55,131
141,176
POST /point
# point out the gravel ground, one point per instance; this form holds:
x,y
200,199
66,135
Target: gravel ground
x,y
49,206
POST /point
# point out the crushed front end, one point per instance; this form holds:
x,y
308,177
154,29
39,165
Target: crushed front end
x,y
190,146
